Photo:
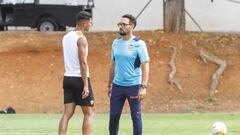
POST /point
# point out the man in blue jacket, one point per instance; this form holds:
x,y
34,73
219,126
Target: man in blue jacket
x,y
128,75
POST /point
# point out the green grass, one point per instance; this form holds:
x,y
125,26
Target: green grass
x,y
154,124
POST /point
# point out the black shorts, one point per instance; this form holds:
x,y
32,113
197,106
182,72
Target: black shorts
x,y
73,87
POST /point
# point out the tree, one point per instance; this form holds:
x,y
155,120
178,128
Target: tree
x,y
174,16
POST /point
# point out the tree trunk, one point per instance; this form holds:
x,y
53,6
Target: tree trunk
x,y
174,16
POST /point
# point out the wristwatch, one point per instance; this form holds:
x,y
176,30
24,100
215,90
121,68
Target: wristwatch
x,y
143,86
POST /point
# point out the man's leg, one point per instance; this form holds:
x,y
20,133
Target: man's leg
x,y
136,111
117,100
87,120
69,109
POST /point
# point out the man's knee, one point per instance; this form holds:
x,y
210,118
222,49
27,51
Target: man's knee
x,y
136,115
67,115
115,114
88,112
114,117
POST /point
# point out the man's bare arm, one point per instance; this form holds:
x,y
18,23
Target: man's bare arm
x,y
145,73
82,53
111,76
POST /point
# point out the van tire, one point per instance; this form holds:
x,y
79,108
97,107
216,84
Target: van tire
x,y
47,25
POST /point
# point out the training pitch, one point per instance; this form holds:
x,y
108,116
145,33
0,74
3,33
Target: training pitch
x,y
153,124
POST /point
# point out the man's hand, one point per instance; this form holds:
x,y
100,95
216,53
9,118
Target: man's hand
x,y
85,92
109,91
142,93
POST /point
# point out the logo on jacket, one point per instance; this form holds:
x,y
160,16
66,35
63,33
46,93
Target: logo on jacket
x,y
130,47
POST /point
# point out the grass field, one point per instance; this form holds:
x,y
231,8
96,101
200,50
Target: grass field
x,y
154,124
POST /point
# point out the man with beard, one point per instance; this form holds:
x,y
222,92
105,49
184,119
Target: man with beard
x,y
128,75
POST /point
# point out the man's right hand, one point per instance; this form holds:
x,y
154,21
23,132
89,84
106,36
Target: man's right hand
x,y
109,91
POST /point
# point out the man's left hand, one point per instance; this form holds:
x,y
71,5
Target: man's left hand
x,y
85,92
142,93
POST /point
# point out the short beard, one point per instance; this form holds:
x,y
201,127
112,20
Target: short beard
x,y
122,33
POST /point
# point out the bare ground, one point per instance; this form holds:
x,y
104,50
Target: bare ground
x,y
31,69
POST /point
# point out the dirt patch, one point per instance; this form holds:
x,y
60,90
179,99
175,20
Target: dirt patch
x,y
31,69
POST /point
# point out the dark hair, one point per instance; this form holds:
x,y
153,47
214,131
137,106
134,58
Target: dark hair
x,y
131,18
83,15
